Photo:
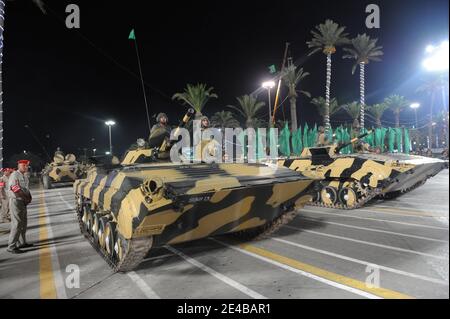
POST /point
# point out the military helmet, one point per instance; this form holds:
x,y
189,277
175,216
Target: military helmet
x,y
204,118
160,116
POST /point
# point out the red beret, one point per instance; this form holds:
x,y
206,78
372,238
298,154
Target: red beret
x,y
26,162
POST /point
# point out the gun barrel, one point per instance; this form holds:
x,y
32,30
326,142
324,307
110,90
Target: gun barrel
x,y
185,119
353,140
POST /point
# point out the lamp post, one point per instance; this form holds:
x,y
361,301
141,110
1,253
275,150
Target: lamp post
x,y
415,106
110,123
268,85
437,60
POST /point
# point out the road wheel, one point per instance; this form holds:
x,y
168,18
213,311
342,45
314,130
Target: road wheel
x,y
328,195
110,232
46,181
348,197
95,227
102,221
121,246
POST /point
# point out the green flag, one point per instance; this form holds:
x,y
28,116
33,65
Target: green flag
x,y
285,148
391,139
305,136
132,36
272,69
297,142
407,141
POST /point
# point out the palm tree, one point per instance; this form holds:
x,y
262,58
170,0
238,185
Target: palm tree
x,y
196,96
291,78
329,36
324,111
249,108
377,111
40,4
433,88
354,110
363,50
396,103
224,119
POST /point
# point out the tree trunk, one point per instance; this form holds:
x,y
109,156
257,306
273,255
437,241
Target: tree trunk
x,y
327,94
379,122
397,118
2,24
362,99
294,126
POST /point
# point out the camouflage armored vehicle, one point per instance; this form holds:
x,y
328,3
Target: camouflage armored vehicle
x,y
350,181
125,209
63,170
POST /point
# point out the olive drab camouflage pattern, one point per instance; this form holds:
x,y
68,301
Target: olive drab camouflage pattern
x,y
63,169
126,211
349,181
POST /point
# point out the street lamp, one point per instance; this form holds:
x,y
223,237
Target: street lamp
x,y
437,57
415,106
110,123
268,85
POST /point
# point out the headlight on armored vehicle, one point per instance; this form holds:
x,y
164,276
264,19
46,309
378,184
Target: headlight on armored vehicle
x,y
152,189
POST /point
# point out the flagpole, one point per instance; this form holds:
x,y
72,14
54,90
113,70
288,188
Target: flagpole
x,y
142,81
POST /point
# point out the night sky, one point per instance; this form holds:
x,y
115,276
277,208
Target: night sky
x,y
64,83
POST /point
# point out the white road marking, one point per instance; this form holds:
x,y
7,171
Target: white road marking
x,y
362,262
59,281
375,230
69,206
300,272
145,288
368,243
375,219
249,292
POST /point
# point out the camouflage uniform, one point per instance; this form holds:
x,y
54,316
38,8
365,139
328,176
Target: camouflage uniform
x,y
18,209
4,214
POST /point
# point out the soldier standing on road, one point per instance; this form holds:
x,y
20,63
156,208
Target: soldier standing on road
x,y
19,197
4,214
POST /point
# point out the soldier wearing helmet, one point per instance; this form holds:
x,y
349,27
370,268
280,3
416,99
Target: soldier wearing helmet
x,y
160,131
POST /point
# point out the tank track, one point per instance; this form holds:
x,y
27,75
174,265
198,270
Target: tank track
x,y
137,249
364,199
267,229
399,193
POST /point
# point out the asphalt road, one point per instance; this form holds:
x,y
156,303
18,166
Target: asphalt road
x,y
389,249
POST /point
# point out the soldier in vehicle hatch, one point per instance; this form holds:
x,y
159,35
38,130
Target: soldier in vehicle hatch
x,y
160,131
322,138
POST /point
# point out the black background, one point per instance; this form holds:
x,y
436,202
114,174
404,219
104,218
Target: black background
x,y
64,83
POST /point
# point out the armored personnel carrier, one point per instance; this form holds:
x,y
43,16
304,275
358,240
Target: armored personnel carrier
x,y
63,170
126,208
350,181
